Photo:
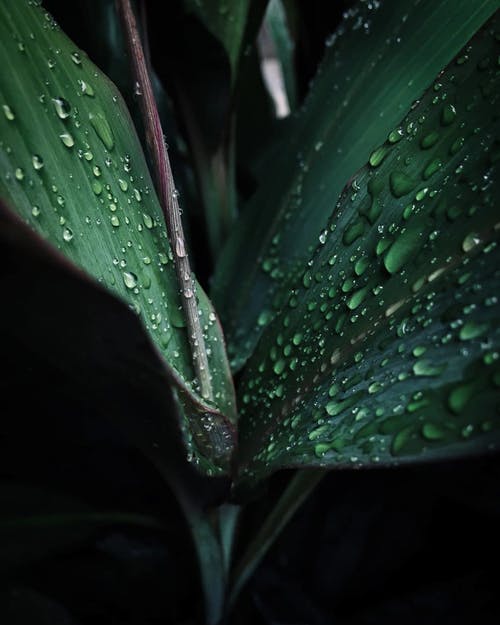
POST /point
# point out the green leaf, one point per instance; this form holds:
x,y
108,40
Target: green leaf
x,y
73,169
378,63
387,349
279,33
226,21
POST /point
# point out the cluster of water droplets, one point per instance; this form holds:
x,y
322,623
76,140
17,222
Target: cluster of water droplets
x,y
389,341
83,191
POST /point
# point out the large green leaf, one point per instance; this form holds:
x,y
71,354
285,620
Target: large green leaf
x,y
386,350
380,61
72,166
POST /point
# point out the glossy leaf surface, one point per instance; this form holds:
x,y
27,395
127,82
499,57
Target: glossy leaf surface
x,y
386,350
73,169
383,57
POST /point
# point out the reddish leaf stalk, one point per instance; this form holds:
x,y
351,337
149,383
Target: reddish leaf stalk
x,y
168,196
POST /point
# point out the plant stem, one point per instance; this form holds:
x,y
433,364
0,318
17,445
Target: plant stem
x,y
300,487
228,518
168,197
206,544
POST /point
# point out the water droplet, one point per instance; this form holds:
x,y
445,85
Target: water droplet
x,y
448,114
459,396
102,129
400,184
37,162
433,432
97,187
19,173
472,330
35,211
62,107
130,279
8,112
431,168
353,232
403,248
115,221
123,184
67,234
279,366
395,135
428,368
264,318
429,140
378,155
148,220
471,241
85,88
67,139
76,58
357,298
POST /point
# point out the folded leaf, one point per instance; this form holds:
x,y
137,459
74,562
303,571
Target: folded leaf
x,y
380,61
73,169
226,21
387,349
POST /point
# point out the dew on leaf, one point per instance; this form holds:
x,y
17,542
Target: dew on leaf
x,y
130,279
8,112
62,107
402,249
428,368
102,129
400,183
67,139
448,114
472,330
37,162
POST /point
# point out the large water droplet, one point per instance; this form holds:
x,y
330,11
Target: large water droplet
x,y
102,129
403,248
37,162
67,139
448,114
8,112
62,106
130,279
85,88
400,183
471,241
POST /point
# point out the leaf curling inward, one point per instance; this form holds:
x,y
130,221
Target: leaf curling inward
x,y
73,169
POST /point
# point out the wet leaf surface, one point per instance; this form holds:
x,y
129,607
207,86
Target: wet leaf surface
x,y
386,350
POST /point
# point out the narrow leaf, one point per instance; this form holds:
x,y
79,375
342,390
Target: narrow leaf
x,y
380,61
386,350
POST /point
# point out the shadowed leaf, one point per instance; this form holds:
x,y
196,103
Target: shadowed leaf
x,y
386,350
380,61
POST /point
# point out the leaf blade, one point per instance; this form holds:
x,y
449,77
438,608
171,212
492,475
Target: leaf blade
x,y
379,354
74,170
331,138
